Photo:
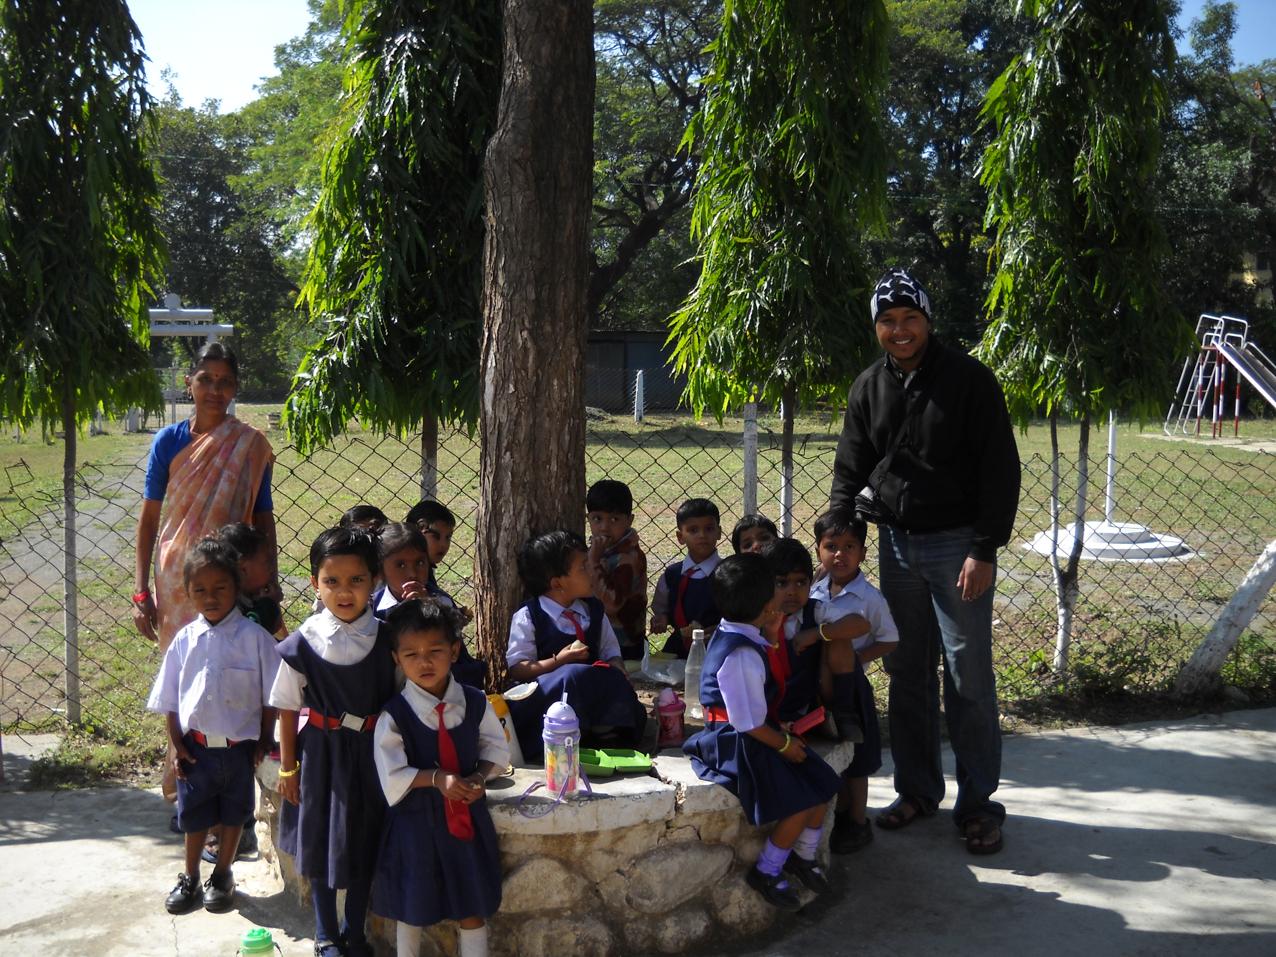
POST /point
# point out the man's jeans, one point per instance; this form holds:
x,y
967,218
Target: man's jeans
x,y
919,580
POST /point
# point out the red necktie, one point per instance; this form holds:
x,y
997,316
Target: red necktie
x,y
459,823
680,616
574,618
777,657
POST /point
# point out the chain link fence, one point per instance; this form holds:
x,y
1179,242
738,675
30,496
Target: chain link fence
x,y
1135,623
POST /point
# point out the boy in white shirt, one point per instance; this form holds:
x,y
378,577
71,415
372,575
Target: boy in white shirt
x,y
213,687
845,591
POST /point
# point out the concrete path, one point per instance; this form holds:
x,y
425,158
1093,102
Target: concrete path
x,y
1154,839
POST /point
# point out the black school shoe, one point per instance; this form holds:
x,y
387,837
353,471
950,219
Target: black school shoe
x,y
776,890
849,837
219,892
185,896
809,873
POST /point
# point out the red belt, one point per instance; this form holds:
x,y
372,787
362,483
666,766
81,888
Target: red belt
x,y
714,713
202,739
352,722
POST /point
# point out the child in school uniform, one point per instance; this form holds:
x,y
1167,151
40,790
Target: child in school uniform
x,y
617,564
408,573
802,662
212,688
256,572
437,524
337,673
753,533
684,598
770,770
562,640
439,858
841,593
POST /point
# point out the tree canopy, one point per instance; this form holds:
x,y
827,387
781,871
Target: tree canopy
x,y
394,273
1081,323
79,242
792,174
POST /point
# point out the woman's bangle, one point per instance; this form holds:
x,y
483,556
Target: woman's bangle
x,y
290,774
788,739
821,631
434,779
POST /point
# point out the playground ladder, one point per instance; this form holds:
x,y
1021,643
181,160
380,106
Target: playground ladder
x,y
1224,341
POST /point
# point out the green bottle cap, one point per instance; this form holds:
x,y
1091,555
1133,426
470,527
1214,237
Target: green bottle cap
x,y
256,941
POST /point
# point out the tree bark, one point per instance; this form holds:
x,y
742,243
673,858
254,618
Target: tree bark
x,y
1067,587
1201,673
70,588
430,456
537,178
788,410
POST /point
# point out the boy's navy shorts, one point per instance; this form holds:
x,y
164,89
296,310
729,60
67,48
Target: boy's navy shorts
x,y
218,788
868,753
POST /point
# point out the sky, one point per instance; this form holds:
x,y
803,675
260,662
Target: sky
x,y
221,49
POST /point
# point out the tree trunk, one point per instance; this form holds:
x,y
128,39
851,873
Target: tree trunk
x,y
70,589
1202,669
750,458
537,178
1066,584
430,456
788,409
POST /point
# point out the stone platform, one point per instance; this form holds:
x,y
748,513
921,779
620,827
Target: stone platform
x,y
647,864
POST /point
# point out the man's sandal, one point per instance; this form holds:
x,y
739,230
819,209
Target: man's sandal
x,y
982,835
903,812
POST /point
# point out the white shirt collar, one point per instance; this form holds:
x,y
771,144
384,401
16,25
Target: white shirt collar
x,y
707,566
387,600
422,701
555,610
752,632
201,626
324,626
820,589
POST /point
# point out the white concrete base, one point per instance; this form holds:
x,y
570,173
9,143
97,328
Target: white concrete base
x,y
1114,542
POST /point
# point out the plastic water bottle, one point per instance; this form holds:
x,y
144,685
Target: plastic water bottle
x,y
695,664
257,943
561,735
669,709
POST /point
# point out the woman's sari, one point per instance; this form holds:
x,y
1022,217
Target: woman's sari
x,y
212,482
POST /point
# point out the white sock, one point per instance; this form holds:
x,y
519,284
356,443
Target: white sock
x,y
473,941
407,940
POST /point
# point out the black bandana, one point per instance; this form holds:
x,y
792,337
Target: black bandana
x,y
897,288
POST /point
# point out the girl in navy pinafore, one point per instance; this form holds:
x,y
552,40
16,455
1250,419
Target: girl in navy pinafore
x,y
553,567
769,787
432,867
336,675
776,777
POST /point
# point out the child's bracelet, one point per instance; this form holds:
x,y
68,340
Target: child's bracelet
x,y
290,774
788,739
821,631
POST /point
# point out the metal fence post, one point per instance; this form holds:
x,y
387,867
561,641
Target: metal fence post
x,y
750,504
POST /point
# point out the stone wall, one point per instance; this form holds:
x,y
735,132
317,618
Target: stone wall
x,y
648,864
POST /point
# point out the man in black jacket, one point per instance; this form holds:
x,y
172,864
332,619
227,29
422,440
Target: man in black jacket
x,y
927,429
